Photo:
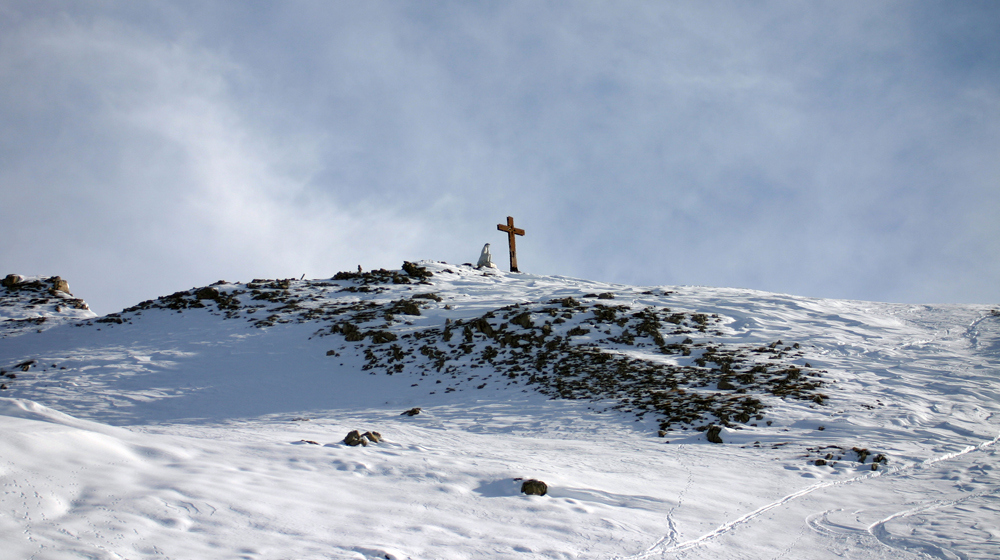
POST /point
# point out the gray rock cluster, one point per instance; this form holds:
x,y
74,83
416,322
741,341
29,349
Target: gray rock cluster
x,y
41,291
16,282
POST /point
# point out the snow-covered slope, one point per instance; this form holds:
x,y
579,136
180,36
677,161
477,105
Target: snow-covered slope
x,y
209,423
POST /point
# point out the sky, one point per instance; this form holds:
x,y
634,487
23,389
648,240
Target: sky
x,y
824,149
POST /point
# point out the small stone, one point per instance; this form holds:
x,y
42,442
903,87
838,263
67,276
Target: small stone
x,y
412,412
534,487
820,462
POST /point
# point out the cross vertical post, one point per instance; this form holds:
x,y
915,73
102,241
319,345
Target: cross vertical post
x,y
511,232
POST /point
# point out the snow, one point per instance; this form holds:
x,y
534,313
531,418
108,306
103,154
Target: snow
x,y
181,433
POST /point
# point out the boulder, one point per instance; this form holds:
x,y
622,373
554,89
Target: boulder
x,y
534,487
59,284
354,438
412,412
713,434
11,281
207,292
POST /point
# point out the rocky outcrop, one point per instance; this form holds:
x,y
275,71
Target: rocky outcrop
x,y
36,303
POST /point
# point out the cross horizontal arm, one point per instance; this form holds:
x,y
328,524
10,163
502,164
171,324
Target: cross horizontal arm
x,y
508,229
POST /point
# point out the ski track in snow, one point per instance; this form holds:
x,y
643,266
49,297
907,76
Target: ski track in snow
x,y
664,547
211,459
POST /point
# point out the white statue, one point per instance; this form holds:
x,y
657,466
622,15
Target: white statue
x,y
485,258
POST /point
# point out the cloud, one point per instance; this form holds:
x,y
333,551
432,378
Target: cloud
x,y
817,149
135,156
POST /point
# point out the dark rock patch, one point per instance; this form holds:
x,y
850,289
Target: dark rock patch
x,y
862,453
713,434
208,292
534,487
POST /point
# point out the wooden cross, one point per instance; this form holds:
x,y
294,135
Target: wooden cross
x,y
511,232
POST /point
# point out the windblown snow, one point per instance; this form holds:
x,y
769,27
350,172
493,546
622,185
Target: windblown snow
x,y
210,423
